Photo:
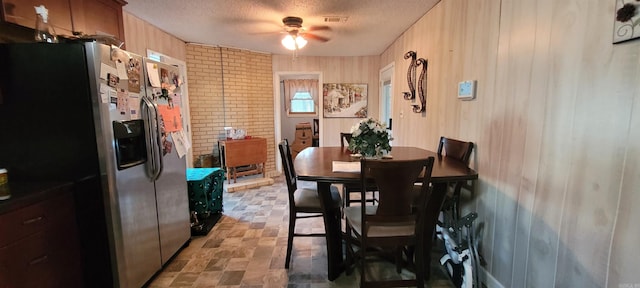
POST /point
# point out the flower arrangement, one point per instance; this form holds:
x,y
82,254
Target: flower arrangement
x,y
370,138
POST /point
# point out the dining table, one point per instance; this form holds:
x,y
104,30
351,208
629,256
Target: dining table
x,y
317,164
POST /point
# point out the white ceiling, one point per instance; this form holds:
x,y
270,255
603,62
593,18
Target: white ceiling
x,y
372,25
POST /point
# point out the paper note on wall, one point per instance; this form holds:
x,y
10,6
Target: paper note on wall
x,y
171,118
153,74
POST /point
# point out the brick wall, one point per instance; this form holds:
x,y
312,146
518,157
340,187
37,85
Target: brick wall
x,y
243,99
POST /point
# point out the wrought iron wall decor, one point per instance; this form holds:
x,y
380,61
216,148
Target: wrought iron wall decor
x,y
411,76
422,86
421,81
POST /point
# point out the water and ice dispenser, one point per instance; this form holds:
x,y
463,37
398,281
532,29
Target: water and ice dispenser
x,y
130,143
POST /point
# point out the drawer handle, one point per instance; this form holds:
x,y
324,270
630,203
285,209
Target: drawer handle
x,y
38,260
32,220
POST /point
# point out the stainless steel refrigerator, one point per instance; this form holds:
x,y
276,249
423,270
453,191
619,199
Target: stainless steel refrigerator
x,y
109,121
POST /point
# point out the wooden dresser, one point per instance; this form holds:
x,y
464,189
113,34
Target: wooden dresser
x,y
250,154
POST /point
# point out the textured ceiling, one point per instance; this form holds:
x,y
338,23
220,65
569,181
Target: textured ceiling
x,y
371,26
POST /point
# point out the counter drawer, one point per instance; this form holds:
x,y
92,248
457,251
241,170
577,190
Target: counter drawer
x,y
43,259
21,223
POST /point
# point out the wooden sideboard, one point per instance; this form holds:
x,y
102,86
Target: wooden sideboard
x,y
240,153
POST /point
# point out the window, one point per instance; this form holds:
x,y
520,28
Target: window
x,y
302,102
300,97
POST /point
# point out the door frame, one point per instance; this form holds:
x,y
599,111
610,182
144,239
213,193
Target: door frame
x,y
277,99
386,73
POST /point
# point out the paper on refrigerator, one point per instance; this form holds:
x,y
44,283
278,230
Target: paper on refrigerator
x,y
153,74
181,142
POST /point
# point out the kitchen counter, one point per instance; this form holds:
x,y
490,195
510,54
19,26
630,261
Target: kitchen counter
x,y
28,193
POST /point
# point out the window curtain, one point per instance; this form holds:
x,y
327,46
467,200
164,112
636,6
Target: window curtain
x,y
293,86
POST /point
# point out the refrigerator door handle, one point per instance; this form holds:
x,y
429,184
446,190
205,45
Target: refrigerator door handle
x,y
150,117
148,123
158,138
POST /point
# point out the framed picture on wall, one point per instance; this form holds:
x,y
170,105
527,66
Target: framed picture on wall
x,y
344,100
627,21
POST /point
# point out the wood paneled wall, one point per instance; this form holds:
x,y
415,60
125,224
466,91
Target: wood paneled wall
x,y
364,69
141,36
555,121
557,128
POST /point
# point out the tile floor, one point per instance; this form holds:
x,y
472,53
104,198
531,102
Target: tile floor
x,y
247,247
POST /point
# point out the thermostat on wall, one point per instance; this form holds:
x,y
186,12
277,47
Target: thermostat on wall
x,y
467,90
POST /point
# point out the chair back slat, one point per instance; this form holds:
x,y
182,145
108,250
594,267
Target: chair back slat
x,y
457,149
395,180
345,138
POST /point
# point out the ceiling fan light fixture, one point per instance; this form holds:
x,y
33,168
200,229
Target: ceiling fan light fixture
x,y
290,42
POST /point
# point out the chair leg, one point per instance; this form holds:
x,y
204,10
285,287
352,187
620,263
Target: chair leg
x,y
362,251
421,265
398,255
292,229
346,198
456,205
349,259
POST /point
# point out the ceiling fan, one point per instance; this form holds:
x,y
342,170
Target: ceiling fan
x,y
297,35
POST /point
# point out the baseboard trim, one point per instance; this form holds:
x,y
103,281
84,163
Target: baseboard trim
x,y
489,280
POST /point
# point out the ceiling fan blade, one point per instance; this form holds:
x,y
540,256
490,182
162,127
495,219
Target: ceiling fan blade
x,y
318,28
315,37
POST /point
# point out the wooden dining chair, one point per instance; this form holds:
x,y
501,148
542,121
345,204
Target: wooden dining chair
x,y
349,188
303,202
459,150
345,138
315,142
393,223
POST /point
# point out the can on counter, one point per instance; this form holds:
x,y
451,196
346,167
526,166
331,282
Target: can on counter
x,y
4,185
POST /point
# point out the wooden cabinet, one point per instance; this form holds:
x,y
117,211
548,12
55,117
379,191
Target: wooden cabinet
x,y
23,13
39,246
248,153
90,17
99,17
